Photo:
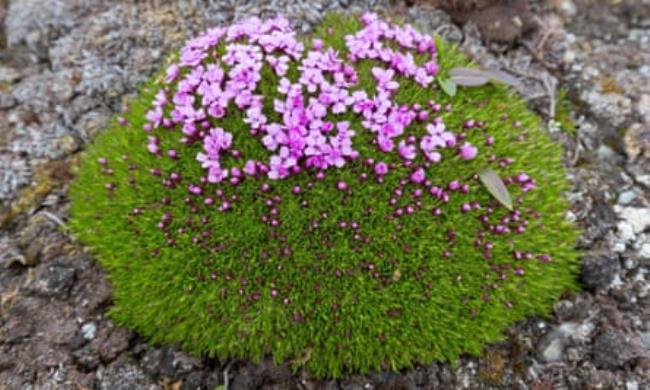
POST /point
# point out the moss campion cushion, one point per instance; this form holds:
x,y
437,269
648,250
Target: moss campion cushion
x,y
317,200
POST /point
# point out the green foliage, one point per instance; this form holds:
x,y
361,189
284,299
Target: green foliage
x,y
419,307
564,110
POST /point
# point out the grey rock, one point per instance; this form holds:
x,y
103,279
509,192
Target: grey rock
x,y
638,218
15,172
6,101
117,343
611,350
8,75
637,140
612,108
123,376
551,346
35,22
10,255
54,279
86,358
184,363
643,106
553,351
645,339
151,361
626,197
19,324
245,378
77,341
598,271
194,381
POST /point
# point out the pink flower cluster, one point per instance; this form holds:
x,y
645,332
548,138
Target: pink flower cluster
x,y
307,136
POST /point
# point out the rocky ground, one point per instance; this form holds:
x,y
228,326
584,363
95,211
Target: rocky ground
x,y
67,65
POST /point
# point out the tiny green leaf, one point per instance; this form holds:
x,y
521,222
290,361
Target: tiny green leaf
x,y
495,187
440,44
447,85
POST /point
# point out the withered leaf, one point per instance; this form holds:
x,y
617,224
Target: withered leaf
x,y
495,187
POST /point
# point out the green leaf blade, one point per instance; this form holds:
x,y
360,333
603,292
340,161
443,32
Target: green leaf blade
x,y
448,86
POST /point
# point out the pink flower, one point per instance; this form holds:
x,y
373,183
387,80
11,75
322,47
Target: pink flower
x,y
172,73
250,168
155,116
305,132
406,151
384,79
418,176
381,168
385,144
467,151
153,146
431,68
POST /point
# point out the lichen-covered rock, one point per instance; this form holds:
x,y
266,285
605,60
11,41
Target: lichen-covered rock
x,y
599,271
611,350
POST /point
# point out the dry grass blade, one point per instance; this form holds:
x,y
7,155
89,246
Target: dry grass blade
x,y
495,187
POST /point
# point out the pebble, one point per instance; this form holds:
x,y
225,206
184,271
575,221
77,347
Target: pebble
x,y
89,330
598,271
626,197
611,350
644,252
645,339
54,279
551,346
638,218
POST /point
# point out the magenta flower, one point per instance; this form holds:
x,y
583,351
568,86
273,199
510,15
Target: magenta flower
x,y
384,79
172,73
302,137
406,151
381,168
418,176
467,151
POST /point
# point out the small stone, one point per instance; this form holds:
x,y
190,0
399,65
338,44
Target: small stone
x,y
54,279
637,140
553,351
89,330
644,252
606,153
573,355
638,218
625,232
116,343
598,271
626,197
8,75
643,106
629,264
645,339
10,255
123,376
551,346
193,381
611,350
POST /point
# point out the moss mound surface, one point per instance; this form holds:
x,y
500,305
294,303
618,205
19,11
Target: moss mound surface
x,y
239,219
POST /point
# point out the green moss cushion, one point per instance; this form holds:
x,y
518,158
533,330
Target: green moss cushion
x,y
318,201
